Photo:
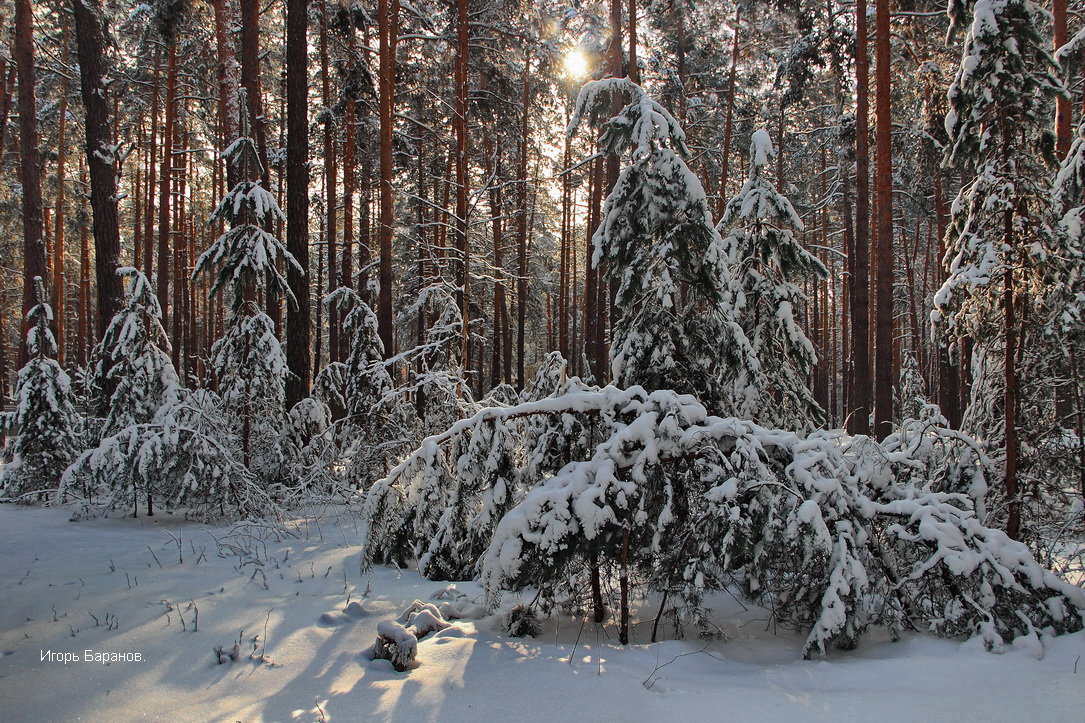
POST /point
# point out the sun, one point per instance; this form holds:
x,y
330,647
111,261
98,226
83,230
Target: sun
x,y
576,63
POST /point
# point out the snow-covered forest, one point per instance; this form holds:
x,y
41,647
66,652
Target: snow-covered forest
x,y
412,360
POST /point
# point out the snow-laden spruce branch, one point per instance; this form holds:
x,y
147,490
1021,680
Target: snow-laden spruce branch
x,y
830,532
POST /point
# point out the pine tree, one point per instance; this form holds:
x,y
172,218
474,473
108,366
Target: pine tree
x,y
769,265
658,244
43,423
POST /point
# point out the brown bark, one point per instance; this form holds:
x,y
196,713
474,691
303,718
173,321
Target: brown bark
x,y
522,229
884,368
459,126
152,154
350,153
606,307
494,172
860,391
330,185
593,333
250,79
388,19
228,78
164,258
297,209
949,397
59,219
84,283
729,122
1079,406
1013,518
7,82
177,239
29,162
137,199
1063,110
564,263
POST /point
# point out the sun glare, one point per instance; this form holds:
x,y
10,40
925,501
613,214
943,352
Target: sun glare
x,y
576,63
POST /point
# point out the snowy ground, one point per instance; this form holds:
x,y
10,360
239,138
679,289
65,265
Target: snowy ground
x,y
122,586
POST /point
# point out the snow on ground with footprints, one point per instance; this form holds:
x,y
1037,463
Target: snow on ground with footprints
x,y
133,612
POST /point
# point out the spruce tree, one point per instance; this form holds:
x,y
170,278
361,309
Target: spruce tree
x,y
133,359
380,423
769,264
249,363
444,394
1065,286
43,423
658,245
998,241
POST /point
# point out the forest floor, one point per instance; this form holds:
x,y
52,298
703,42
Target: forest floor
x,y
133,587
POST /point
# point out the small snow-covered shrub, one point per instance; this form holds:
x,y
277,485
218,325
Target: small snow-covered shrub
x,y
425,621
396,644
310,451
522,621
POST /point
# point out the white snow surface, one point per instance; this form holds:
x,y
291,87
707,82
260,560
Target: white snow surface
x,y
55,575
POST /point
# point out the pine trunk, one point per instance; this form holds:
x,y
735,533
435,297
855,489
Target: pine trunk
x,y
522,230
59,219
884,368
729,122
459,125
330,186
860,391
297,209
30,162
388,19
1063,111
228,79
164,257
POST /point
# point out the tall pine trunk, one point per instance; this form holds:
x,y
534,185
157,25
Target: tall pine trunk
x,y
297,200
164,256
388,19
30,162
59,218
522,229
459,125
729,122
884,368
859,392
330,186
